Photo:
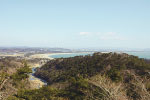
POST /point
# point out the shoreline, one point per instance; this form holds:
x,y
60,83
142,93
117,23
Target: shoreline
x,y
36,82
47,55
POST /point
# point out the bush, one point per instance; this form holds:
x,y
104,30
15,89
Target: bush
x,y
21,73
76,90
114,75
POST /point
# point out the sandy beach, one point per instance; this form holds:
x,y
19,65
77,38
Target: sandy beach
x,y
47,55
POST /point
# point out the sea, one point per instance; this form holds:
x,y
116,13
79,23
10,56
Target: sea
x,y
67,55
140,54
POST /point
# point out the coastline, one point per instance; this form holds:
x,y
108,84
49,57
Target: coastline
x,y
41,56
37,82
47,55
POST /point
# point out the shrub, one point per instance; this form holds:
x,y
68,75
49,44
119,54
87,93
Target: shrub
x,y
114,75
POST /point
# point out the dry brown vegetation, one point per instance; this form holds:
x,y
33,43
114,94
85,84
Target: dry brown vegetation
x,y
112,91
9,66
98,77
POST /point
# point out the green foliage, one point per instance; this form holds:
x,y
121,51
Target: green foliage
x,y
13,98
62,69
76,90
45,93
114,75
74,71
21,73
3,75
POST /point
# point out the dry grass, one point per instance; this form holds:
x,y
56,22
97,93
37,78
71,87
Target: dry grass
x,y
140,86
112,91
118,91
141,89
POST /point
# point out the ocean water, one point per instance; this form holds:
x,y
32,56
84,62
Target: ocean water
x,y
69,55
140,54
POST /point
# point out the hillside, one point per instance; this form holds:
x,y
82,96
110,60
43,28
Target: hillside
x,y
106,64
109,76
13,76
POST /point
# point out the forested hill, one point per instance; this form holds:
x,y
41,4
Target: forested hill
x,y
115,66
110,76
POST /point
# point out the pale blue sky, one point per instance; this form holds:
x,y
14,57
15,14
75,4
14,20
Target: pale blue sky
x,y
75,23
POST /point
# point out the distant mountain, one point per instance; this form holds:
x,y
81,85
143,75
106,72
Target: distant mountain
x,y
32,50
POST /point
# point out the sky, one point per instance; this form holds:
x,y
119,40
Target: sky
x,y
75,23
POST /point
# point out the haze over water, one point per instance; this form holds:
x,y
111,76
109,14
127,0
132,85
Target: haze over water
x,y
69,55
142,54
